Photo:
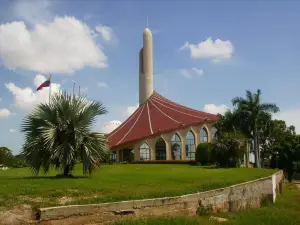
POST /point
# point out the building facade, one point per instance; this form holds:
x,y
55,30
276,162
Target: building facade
x,y
160,129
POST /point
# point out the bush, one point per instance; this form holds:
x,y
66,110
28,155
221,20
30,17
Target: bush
x,y
205,154
229,150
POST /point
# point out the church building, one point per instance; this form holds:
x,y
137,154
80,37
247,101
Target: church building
x,y
159,129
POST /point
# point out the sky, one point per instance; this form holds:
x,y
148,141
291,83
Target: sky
x,y
205,53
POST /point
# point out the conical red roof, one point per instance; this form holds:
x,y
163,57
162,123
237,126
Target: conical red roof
x,y
157,115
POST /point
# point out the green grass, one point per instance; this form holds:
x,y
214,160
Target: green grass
x,y
116,182
286,211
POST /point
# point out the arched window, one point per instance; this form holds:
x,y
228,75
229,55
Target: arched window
x,y
144,152
160,150
113,156
190,146
214,133
203,135
176,147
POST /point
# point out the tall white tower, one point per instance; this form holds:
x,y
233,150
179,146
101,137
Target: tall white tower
x,y
146,67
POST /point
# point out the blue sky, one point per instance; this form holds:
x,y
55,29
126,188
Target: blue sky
x,y
258,48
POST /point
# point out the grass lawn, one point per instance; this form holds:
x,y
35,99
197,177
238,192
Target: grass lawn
x,y
285,211
116,182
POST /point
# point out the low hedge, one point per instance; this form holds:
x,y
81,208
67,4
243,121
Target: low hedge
x,y
165,162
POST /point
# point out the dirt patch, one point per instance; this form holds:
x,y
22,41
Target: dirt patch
x,y
67,199
21,215
73,190
33,199
297,183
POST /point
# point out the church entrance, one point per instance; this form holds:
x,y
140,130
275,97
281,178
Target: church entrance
x,y
127,155
160,150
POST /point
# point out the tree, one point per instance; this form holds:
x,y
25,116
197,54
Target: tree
x,y
227,122
20,161
271,133
287,153
229,149
59,133
6,156
250,111
231,144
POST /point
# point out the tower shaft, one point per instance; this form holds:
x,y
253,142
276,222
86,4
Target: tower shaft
x,y
146,67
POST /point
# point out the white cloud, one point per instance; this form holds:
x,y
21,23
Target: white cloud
x,y
185,73
61,46
105,31
12,130
291,117
130,110
4,112
217,50
215,109
188,73
199,72
110,126
26,98
102,84
33,11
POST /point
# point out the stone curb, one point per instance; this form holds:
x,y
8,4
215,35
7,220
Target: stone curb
x,y
220,195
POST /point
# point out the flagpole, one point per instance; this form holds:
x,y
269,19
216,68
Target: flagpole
x,y
73,88
50,89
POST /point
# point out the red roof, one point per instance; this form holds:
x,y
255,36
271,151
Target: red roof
x,y
157,115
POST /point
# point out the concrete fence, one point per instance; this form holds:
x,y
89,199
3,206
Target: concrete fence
x,y
233,198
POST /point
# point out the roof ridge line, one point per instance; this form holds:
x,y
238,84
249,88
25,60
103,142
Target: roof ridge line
x,y
163,112
124,123
132,125
178,111
177,104
149,119
165,131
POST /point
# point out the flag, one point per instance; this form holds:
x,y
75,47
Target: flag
x,y
45,84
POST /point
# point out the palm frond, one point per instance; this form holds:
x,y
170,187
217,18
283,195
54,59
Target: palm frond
x,y
269,107
58,133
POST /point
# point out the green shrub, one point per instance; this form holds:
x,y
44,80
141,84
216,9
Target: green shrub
x,y
229,150
204,154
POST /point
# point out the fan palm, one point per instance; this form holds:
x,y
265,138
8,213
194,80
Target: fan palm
x,y
59,133
250,111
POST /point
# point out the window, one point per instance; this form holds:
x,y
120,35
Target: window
x,y
176,147
113,156
144,152
190,146
203,135
160,150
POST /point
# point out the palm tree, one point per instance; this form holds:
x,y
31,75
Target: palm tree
x,y
250,111
59,133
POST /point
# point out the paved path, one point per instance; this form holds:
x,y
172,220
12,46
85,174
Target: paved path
x,y
297,182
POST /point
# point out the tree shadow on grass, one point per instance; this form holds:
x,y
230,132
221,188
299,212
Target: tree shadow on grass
x,y
204,166
57,177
